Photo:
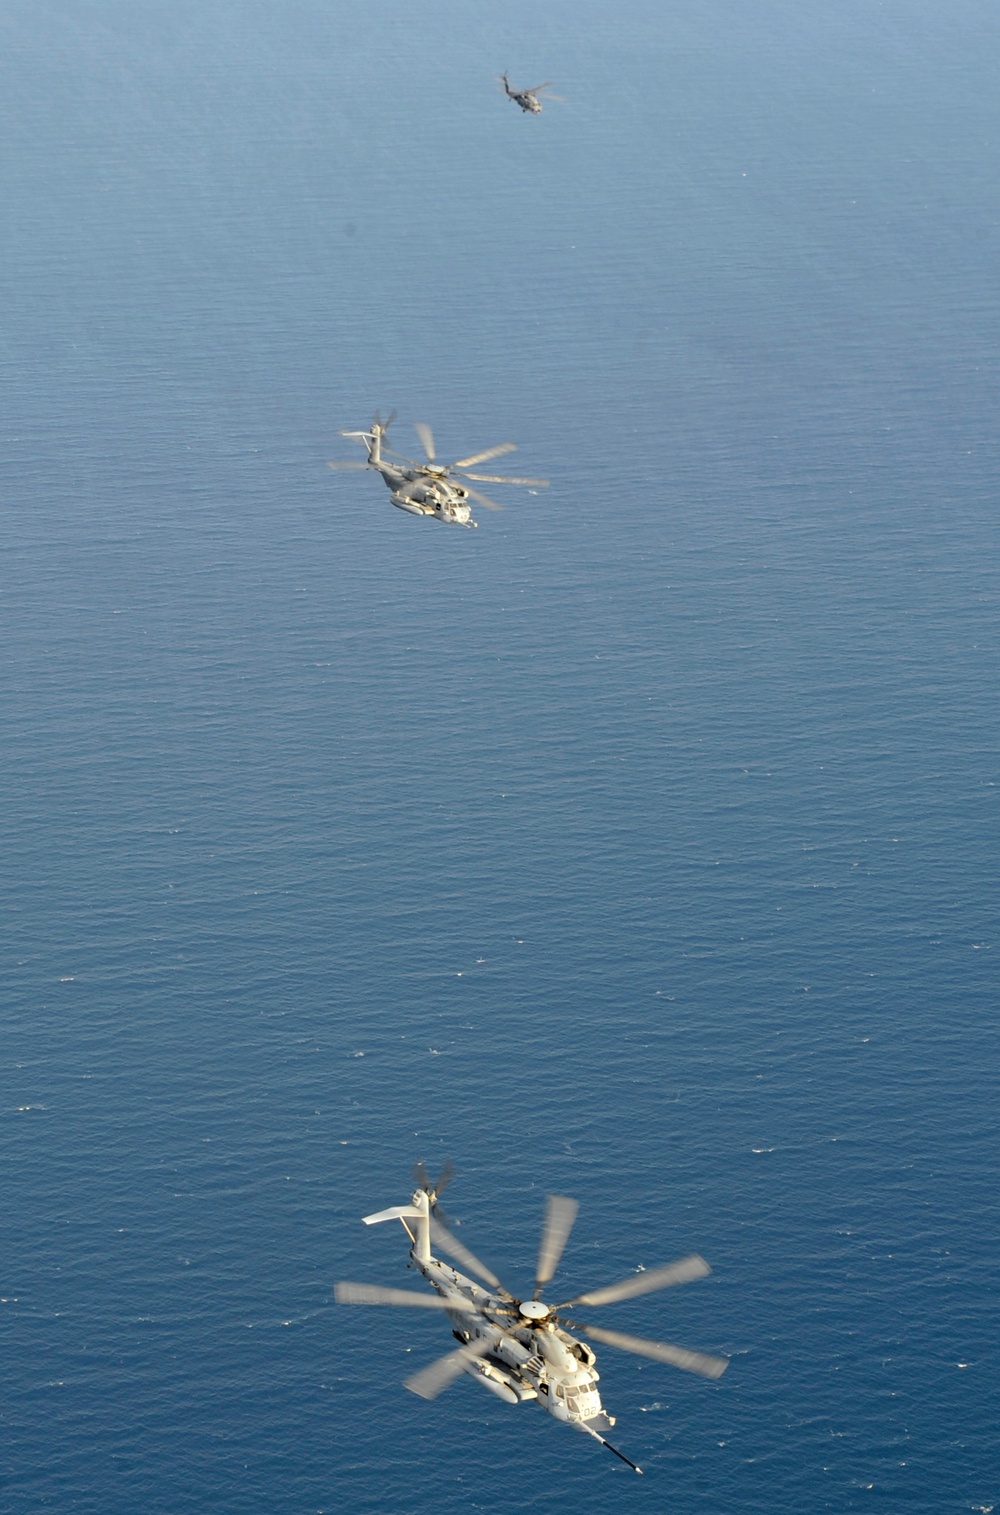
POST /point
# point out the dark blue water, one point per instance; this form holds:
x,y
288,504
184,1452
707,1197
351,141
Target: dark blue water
x,y
640,845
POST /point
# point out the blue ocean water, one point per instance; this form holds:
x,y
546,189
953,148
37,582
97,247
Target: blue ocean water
x,y
640,845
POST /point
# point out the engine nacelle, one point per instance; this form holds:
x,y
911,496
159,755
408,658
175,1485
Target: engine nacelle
x,y
556,1353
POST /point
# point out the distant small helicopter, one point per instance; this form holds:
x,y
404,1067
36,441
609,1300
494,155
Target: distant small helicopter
x,y
528,99
427,489
520,1349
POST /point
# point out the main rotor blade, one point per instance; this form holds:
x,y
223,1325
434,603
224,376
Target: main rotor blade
x,y
483,499
435,1378
560,1213
401,458
503,478
374,1294
351,464
483,457
426,436
680,1272
535,88
660,1351
443,1239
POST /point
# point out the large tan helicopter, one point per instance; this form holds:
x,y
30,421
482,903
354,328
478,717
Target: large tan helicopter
x,y
520,1349
429,488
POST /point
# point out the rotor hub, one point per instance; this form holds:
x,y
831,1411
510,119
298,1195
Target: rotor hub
x,y
533,1310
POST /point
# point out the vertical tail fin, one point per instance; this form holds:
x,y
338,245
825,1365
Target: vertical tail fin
x,y
418,1211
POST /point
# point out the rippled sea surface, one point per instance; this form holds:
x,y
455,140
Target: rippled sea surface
x,y
640,845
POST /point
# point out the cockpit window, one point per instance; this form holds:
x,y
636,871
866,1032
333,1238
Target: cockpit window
x,y
582,1399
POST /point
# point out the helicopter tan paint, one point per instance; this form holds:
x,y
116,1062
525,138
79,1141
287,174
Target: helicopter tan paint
x,y
520,1349
428,489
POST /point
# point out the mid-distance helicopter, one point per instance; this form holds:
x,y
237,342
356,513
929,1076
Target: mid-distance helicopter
x,y
427,489
528,99
520,1349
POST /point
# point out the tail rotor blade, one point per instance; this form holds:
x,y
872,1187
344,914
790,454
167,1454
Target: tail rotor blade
x,y
484,457
681,1272
446,1242
375,1294
560,1213
660,1351
435,1378
421,1177
426,436
447,1174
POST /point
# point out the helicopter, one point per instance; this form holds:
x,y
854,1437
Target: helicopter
x,y
528,99
522,1349
428,489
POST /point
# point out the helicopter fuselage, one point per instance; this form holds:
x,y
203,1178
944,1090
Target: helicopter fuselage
x,y
525,98
519,1354
423,492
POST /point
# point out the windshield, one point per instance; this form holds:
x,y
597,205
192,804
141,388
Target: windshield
x,y
581,1399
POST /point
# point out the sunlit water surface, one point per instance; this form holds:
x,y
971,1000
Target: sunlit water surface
x,y
640,845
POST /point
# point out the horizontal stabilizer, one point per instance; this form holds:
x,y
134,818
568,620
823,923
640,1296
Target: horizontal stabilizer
x,y
397,1212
